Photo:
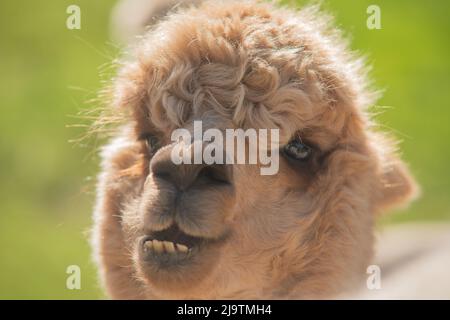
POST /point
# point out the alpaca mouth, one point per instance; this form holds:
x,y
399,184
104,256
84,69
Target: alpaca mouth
x,y
170,246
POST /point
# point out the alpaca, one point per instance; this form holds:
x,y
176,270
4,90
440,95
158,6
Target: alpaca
x,y
220,231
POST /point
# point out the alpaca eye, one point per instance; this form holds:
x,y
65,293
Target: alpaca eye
x,y
297,150
152,143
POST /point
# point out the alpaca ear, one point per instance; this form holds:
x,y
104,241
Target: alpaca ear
x,y
397,185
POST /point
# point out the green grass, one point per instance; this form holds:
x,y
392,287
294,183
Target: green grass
x,y
48,72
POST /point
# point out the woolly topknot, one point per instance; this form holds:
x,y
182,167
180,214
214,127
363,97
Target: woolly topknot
x,y
255,63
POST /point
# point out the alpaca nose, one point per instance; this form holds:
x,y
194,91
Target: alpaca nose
x,y
185,175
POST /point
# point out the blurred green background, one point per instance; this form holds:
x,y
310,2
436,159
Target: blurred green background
x,y
49,72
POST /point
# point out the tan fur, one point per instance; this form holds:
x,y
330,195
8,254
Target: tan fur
x,y
302,233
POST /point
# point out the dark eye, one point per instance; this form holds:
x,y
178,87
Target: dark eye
x,y
297,150
152,143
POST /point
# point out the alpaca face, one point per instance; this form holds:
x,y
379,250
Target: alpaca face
x,y
197,221
167,230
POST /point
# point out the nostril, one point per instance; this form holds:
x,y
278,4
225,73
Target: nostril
x,y
162,175
184,175
219,174
161,165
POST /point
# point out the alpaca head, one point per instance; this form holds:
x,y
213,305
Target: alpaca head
x,y
171,230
